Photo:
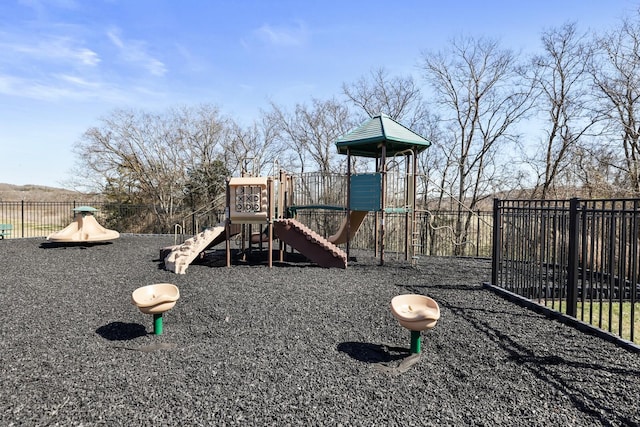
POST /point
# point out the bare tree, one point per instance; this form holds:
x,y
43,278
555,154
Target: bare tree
x,y
202,133
149,158
311,133
616,74
258,145
560,73
398,97
596,167
481,96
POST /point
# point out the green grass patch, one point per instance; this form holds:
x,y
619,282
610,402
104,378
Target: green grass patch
x,y
32,229
606,316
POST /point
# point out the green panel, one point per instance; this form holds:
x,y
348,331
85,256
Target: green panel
x,y
366,191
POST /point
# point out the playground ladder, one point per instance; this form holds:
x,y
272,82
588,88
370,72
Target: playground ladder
x,y
415,239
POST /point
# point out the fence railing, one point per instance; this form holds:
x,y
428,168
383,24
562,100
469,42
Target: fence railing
x,y
579,257
436,235
39,219
36,219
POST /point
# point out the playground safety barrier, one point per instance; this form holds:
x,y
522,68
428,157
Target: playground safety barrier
x,y
436,229
579,257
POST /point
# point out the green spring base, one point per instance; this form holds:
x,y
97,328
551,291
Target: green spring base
x,y
415,341
157,324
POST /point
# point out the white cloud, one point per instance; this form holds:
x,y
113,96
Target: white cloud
x,y
156,67
283,36
42,4
58,49
88,57
59,87
35,89
77,81
135,52
114,36
62,68
188,61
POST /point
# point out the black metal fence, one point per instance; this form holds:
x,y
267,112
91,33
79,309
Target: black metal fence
x,y
35,219
435,235
435,232
39,219
579,257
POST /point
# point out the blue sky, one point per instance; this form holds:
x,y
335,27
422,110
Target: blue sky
x,y
64,64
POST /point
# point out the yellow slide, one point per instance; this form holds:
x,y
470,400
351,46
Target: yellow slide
x,y
356,218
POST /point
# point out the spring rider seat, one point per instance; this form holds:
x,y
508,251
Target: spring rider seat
x,y
416,313
156,299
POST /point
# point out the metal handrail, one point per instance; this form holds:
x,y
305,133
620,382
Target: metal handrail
x,y
175,232
200,211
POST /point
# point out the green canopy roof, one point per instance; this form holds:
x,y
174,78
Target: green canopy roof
x,y
367,139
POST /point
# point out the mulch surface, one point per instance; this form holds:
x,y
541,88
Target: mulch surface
x,y
290,345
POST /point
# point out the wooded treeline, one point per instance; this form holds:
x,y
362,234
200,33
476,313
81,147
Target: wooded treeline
x,y
561,122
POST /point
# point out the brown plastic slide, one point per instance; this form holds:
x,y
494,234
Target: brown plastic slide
x,y
309,243
356,218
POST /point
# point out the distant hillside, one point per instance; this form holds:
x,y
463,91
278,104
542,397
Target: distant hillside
x,y
39,193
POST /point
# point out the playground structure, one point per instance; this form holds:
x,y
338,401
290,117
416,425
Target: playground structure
x,y
386,141
258,202
84,228
272,203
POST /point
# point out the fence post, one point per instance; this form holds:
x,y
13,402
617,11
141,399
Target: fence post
x,y
478,233
572,264
496,250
